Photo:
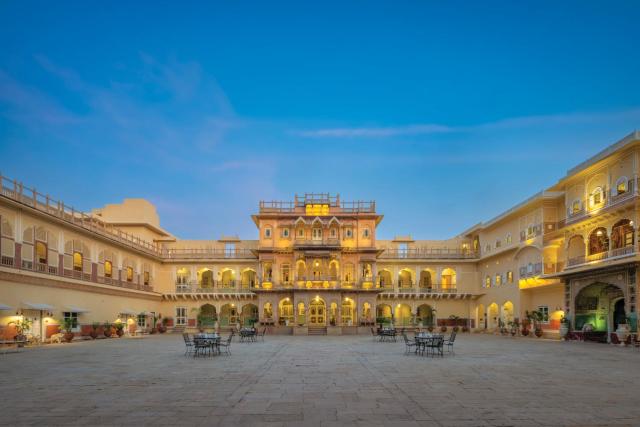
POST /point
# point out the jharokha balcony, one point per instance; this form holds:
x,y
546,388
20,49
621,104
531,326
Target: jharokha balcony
x,y
429,253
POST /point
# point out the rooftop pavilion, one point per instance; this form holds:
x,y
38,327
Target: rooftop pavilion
x,y
318,204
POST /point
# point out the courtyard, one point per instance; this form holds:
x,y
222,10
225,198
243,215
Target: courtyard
x,y
321,381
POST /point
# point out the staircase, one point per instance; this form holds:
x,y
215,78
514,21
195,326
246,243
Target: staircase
x,y
178,330
317,330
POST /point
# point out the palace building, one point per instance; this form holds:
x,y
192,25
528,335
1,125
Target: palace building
x,y
317,266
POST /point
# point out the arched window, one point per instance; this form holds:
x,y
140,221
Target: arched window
x,y
129,274
41,252
285,273
621,185
598,241
498,280
267,232
365,232
576,207
267,310
622,234
597,197
509,276
108,269
487,281
77,261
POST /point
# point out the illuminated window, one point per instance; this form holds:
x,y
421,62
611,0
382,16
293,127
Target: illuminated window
x,y
509,276
77,261
285,273
41,252
576,207
508,239
498,280
597,196
108,269
498,243
621,185
487,282
146,277
129,274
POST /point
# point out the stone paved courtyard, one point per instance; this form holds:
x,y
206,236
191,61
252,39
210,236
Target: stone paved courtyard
x,y
321,381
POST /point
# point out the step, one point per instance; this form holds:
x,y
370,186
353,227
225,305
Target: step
x,y
317,330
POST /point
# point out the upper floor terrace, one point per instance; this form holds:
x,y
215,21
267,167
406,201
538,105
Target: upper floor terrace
x,y
318,204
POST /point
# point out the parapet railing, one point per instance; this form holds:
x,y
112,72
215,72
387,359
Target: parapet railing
x,y
17,192
418,253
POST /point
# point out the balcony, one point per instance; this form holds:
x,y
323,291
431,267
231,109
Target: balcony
x,y
531,233
193,287
301,243
207,253
52,270
31,198
611,254
433,289
531,270
609,201
428,253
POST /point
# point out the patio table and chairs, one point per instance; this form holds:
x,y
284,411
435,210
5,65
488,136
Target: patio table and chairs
x,y
387,334
248,334
206,344
429,343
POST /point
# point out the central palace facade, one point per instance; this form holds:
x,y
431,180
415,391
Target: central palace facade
x,y
317,266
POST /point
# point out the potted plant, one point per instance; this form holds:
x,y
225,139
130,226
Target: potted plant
x,y
443,328
67,327
107,329
623,331
456,320
165,324
154,325
22,327
93,333
119,329
536,317
564,327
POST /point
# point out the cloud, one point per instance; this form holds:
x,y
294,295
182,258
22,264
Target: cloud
x,y
571,118
376,132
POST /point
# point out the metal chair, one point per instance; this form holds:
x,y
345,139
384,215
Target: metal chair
x,y
261,336
188,342
449,342
226,344
409,345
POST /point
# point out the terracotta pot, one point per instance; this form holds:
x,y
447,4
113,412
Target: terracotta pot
x,y
93,334
120,332
538,332
443,329
525,332
108,332
153,330
68,337
456,328
465,329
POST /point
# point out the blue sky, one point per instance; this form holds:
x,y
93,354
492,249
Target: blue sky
x,y
446,114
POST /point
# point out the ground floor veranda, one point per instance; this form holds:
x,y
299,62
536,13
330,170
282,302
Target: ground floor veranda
x,y
321,381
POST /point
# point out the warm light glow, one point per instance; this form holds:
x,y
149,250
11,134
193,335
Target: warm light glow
x,y
599,233
287,299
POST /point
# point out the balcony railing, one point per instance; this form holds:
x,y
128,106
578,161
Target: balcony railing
x,y
601,256
208,253
319,242
428,253
17,192
52,270
531,270
609,200
531,233
433,289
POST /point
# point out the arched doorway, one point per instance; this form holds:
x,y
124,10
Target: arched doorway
x,y
492,321
228,315
383,313
405,279
425,315
249,315
248,279
384,279
601,306
285,311
347,312
507,312
207,316
426,279
206,278
482,317
317,312
402,315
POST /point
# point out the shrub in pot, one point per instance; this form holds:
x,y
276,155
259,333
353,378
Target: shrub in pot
x,y
67,327
94,330
564,327
22,327
119,329
107,329
465,328
443,329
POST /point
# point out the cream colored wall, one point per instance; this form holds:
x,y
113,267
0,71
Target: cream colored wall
x,y
101,307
